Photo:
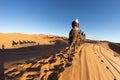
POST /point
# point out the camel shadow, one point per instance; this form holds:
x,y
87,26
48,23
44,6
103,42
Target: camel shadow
x,y
30,52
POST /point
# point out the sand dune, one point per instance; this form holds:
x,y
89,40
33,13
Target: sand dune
x,y
47,46
42,39
92,60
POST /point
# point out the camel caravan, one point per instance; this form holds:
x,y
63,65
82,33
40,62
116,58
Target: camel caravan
x,y
76,36
82,36
23,43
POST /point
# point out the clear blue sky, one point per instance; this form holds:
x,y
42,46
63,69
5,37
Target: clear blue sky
x,y
99,19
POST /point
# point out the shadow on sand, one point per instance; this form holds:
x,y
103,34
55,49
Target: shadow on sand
x,y
26,53
114,47
2,76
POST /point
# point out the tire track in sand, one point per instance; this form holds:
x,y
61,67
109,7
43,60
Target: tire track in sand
x,y
76,64
113,66
107,73
84,70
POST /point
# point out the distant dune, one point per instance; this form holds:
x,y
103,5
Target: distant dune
x,y
49,58
7,39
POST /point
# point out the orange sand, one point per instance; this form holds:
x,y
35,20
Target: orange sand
x,y
52,60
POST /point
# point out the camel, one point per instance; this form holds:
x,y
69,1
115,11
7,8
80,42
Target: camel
x,y
20,42
28,42
82,36
14,43
24,42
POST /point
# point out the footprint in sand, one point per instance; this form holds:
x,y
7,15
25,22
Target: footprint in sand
x,y
102,61
98,56
107,67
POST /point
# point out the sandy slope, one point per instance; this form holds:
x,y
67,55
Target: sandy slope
x,y
48,45
90,61
42,39
93,62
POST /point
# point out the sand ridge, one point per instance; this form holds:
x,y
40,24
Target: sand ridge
x,y
92,60
89,62
41,69
40,39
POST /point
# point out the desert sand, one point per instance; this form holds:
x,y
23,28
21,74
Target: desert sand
x,y
50,59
